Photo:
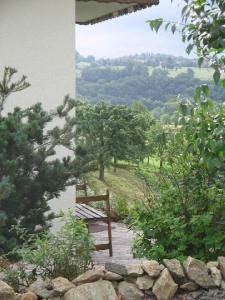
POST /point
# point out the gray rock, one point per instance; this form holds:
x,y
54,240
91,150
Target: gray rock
x,y
99,290
216,276
29,296
176,269
196,294
212,294
165,288
38,287
116,268
189,286
134,270
211,264
128,291
223,285
162,267
115,284
112,276
221,261
61,285
6,292
151,267
2,276
144,282
198,272
89,276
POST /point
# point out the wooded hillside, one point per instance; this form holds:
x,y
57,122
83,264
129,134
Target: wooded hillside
x,y
155,79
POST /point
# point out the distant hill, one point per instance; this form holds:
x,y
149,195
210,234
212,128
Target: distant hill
x,y
154,79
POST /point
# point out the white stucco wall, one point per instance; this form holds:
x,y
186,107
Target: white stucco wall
x,y
37,37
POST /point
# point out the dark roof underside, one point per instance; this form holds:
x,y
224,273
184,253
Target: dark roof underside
x,y
132,6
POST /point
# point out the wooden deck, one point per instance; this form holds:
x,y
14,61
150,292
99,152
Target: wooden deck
x,y
122,240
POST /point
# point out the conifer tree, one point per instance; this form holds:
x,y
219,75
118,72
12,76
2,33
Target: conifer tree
x,y
30,172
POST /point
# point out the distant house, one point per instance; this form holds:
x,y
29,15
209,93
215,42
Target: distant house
x,y
37,37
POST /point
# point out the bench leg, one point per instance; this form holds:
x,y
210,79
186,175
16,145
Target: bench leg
x,y
110,237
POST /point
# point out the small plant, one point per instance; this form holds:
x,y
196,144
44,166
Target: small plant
x,y
121,208
66,253
19,277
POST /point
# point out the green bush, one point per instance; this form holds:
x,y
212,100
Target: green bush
x,y
186,215
66,253
121,208
19,277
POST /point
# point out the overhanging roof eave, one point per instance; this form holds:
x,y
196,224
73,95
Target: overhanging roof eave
x,y
132,7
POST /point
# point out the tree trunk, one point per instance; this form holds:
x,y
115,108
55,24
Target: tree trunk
x,y
115,164
101,171
161,163
148,161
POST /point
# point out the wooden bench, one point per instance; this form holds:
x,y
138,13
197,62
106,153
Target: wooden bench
x,y
87,213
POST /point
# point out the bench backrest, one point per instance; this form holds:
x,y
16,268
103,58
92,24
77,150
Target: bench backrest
x,y
82,187
88,199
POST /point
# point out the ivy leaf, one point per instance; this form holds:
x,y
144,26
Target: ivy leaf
x,y
200,61
167,25
184,9
222,83
173,28
197,93
155,24
205,89
189,48
216,76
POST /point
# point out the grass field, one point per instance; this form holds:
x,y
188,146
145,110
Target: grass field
x,y
122,184
199,73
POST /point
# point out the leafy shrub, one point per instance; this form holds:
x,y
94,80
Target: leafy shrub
x,y
121,208
19,277
66,253
187,213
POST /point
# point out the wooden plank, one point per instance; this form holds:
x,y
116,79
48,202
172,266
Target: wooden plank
x,y
88,211
88,199
80,187
102,247
91,213
84,213
78,215
99,213
109,228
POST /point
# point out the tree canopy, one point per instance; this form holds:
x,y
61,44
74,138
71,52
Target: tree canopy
x,y
108,131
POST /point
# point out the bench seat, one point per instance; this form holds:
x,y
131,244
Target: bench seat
x,y
87,212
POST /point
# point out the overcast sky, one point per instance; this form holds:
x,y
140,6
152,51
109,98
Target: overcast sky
x,y
130,34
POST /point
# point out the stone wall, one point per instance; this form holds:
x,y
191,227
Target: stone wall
x,y
149,280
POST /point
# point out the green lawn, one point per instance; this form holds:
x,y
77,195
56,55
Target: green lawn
x,y
122,184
